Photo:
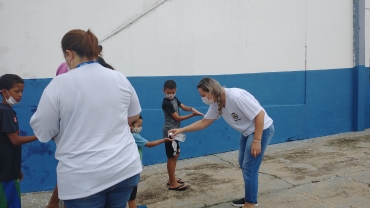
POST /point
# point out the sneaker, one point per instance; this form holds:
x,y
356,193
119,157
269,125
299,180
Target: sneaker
x,y
141,206
240,202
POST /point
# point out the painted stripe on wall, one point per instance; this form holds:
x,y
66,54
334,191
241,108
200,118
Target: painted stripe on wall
x,y
302,104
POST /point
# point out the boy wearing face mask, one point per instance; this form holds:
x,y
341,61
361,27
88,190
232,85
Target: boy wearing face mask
x,y
136,128
11,87
170,107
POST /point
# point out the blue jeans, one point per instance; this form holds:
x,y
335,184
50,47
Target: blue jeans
x,y
251,165
112,197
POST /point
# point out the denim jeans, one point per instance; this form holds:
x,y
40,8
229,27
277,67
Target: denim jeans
x,y
115,196
251,165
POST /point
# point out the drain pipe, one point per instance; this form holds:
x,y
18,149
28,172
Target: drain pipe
x,y
360,76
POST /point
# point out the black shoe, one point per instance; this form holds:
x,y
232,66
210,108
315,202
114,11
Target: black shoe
x,y
240,202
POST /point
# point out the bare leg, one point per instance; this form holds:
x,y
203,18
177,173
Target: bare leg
x,y
248,205
132,204
54,200
171,168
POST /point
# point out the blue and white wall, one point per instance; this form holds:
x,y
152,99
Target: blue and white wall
x,y
296,57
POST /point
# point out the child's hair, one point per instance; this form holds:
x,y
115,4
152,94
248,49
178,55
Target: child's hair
x,y
212,86
140,117
169,84
7,81
85,44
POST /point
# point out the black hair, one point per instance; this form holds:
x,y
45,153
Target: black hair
x,y
169,84
102,62
7,81
140,117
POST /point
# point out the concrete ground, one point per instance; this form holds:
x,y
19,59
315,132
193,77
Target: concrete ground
x,y
332,171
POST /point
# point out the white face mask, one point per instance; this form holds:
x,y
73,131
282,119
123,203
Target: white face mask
x,y
170,96
206,101
11,100
137,130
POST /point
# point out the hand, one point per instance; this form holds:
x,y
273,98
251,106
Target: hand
x,y
175,131
167,139
197,113
256,148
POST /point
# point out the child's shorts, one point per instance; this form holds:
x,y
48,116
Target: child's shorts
x,y
172,148
10,195
133,194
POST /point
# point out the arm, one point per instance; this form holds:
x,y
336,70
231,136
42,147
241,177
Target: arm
x,y
131,119
15,139
258,129
259,123
157,142
198,125
176,116
187,108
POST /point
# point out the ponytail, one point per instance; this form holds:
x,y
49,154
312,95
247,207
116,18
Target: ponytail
x,y
85,44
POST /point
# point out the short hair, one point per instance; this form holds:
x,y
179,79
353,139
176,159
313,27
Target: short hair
x,y
140,117
7,81
169,84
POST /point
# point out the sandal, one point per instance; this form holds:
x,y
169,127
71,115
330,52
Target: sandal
x,y
178,181
178,188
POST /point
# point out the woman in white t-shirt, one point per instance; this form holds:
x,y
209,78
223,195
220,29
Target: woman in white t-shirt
x,y
244,113
87,111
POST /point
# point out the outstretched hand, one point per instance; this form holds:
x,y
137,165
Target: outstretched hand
x,y
168,139
197,113
175,131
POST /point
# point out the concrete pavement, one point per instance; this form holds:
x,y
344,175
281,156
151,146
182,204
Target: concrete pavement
x,y
332,171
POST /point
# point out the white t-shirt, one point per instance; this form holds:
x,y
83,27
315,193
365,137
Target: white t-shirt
x,y
88,109
240,110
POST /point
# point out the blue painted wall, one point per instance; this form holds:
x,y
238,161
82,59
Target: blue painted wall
x,y
303,104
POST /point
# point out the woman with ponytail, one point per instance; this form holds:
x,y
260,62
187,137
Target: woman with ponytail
x,y
88,111
244,113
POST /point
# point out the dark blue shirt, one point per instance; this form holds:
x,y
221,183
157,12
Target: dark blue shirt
x,y
10,155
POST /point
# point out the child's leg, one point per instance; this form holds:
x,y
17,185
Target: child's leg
x,y
54,200
172,152
132,200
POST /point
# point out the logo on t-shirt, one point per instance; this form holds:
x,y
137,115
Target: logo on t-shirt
x,y
235,117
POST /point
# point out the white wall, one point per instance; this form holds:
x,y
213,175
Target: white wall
x,y
367,33
182,37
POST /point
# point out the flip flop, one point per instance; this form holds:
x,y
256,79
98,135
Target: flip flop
x,y
178,188
178,181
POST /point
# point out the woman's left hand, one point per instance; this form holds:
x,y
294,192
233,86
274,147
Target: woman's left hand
x,y
256,148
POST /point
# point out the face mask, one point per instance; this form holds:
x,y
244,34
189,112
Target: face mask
x,y
137,130
11,100
207,102
170,96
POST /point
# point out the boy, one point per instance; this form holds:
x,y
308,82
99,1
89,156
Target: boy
x,y
136,128
11,87
170,107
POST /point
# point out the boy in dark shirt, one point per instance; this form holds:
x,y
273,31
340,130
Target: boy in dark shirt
x,y
11,87
170,107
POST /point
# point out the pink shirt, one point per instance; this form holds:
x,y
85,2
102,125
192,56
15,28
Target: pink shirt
x,y
63,68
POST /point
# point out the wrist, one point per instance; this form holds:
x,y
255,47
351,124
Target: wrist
x,y
256,140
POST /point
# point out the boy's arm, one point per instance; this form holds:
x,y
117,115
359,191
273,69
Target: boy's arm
x,y
15,139
157,142
187,108
178,118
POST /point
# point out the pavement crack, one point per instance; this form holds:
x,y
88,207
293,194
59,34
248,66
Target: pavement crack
x,y
236,166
